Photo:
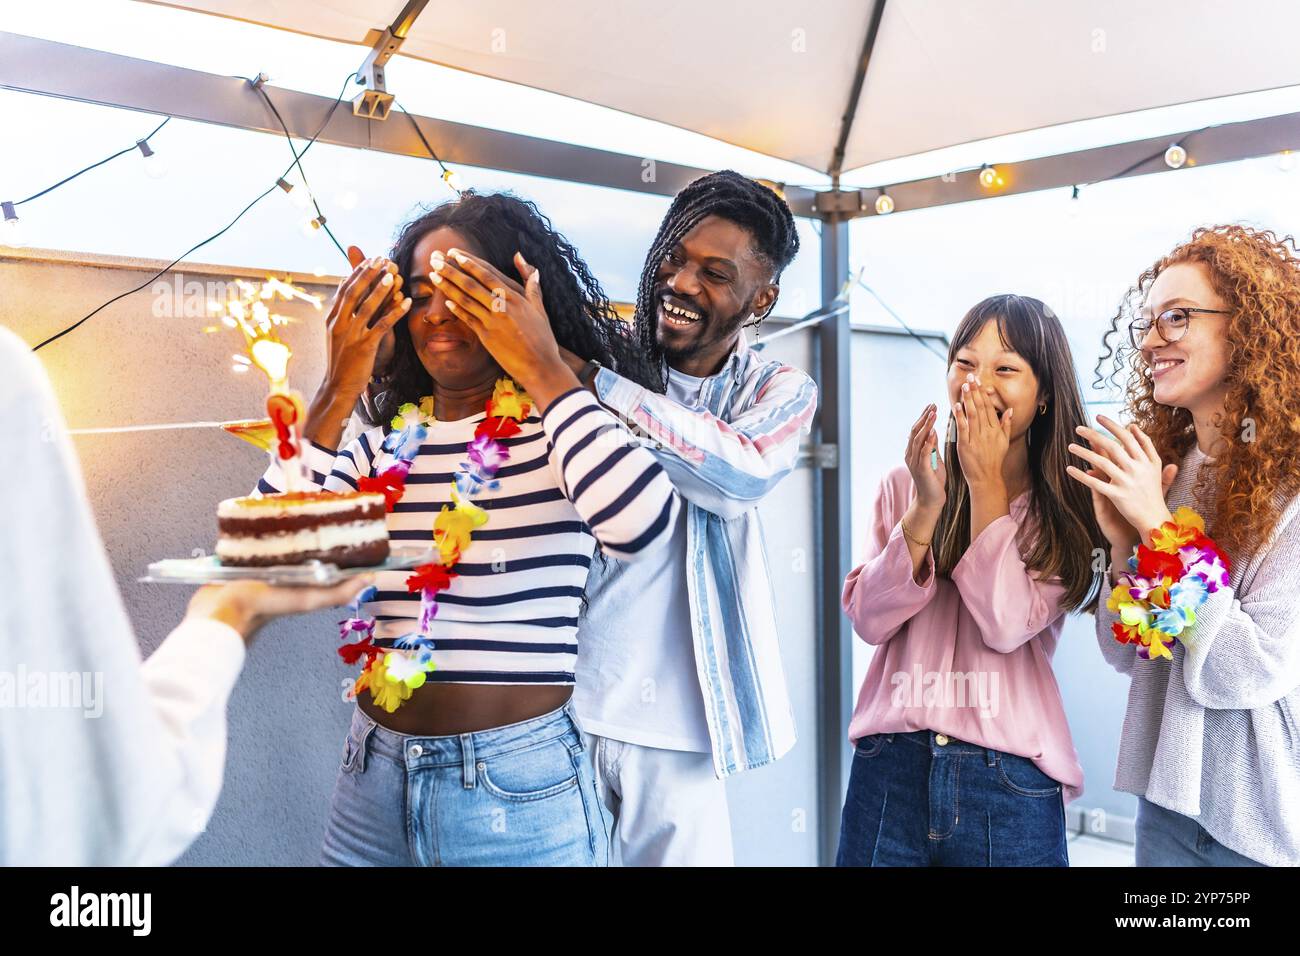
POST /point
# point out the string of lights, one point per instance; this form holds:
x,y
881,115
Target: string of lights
x,y
318,222
153,167
211,238
281,183
448,176
1176,155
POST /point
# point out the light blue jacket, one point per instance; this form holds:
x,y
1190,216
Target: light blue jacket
x,y
724,456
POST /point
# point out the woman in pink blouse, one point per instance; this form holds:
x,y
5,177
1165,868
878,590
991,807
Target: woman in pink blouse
x,y
962,752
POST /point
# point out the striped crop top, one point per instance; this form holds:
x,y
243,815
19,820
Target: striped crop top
x,y
575,477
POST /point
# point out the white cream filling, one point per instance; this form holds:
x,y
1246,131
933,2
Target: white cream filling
x,y
323,538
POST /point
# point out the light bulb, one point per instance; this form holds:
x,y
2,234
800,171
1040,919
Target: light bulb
x,y
989,177
297,195
1175,156
13,232
452,179
1286,160
884,204
154,166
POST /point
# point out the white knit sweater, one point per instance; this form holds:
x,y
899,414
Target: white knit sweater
x,y
1213,734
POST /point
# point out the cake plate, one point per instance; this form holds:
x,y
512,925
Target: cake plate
x,y
208,569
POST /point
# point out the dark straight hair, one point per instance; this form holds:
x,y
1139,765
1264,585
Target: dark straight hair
x,y
1061,537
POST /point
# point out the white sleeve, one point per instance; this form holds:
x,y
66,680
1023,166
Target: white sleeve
x,y
187,681
103,760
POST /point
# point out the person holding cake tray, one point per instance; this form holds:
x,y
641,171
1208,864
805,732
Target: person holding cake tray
x,y
486,444
104,761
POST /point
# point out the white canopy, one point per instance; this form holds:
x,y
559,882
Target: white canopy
x,y
776,77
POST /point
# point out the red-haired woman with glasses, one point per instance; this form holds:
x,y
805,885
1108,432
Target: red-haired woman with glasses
x,y
1210,744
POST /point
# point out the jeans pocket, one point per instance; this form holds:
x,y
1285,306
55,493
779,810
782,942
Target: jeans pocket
x,y
870,745
349,755
532,774
354,750
1021,776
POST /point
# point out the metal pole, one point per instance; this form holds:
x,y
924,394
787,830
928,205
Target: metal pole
x,y
834,512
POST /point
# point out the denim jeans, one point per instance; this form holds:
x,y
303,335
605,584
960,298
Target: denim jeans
x,y
519,795
922,799
1166,838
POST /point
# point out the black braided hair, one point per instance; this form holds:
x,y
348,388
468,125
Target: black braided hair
x,y
499,225
731,196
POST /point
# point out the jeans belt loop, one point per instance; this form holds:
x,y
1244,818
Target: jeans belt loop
x,y
467,760
991,756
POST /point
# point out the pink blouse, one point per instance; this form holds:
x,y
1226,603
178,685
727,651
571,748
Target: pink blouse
x,y
968,656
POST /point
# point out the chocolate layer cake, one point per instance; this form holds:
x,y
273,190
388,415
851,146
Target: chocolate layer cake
x,y
347,530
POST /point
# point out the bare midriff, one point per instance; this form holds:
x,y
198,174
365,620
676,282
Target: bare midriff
x,y
440,710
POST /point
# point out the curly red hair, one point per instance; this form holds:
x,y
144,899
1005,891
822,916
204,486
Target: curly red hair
x,y
1258,276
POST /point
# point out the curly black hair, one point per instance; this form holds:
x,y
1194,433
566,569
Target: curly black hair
x,y
498,225
731,196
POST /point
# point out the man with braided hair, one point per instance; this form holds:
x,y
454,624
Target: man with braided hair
x,y
679,677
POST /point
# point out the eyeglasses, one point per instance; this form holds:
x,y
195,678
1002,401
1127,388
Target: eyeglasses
x,y
1171,324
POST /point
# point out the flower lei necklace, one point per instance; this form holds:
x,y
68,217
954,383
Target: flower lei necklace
x,y
392,674
1157,598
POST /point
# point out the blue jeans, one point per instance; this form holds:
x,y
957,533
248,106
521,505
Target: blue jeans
x,y
1166,838
519,795
914,800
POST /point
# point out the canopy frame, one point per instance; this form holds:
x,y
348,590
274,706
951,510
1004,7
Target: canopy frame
x,y
69,72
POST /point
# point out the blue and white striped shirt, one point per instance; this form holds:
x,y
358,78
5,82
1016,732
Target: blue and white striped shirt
x,y
575,477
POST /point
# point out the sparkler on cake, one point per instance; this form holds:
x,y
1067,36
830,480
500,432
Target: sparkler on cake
x,y
301,524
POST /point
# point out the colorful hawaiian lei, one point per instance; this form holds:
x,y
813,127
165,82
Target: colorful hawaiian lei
x,y
1157,598
392,674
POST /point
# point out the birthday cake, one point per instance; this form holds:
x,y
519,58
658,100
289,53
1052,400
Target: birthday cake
x,y
347,530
